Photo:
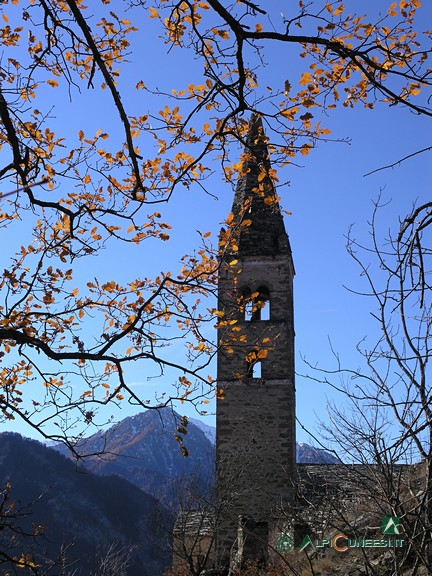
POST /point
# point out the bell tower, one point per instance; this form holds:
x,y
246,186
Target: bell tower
x,y
255,442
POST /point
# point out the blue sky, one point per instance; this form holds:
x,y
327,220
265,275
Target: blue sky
x,y
326,194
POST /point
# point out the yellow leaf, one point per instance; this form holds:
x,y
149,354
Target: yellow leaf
x,y
392,9
207,129
306,78
52,83
339,10
87,179
290,113
258,28
223,34
153,13
48,298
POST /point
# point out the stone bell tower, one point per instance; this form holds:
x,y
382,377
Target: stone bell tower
x,y
255,445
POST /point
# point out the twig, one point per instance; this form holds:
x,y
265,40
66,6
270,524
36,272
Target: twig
x,y
399,161
43,181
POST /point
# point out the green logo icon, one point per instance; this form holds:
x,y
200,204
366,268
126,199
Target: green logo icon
x,y
305,543
284,543
391,525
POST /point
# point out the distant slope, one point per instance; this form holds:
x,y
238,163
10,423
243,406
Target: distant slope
x,y
85,512
143,450
307,454
209,431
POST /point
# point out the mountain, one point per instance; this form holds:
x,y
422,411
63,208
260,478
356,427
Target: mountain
x,y
84,515
209,431
307,454
143,450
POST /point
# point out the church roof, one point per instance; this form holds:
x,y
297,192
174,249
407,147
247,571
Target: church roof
x,y
255,199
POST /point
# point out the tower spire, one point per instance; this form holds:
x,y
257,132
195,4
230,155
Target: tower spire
x,y
255,198
255,445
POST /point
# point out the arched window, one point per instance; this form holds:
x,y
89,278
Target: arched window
x,y
253,369
256,370
262,304
255,305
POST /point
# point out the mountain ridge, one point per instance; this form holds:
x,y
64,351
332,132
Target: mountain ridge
x,y
142,449
82,512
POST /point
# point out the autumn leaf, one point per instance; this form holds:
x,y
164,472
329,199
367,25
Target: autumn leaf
x,y
339,10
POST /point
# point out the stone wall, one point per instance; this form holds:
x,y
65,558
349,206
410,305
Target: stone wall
x,y
255,428
194,540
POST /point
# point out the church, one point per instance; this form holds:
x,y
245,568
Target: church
x,y
255,419
267,506
255,415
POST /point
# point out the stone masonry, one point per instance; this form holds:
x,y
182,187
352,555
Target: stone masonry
x,y
255,423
